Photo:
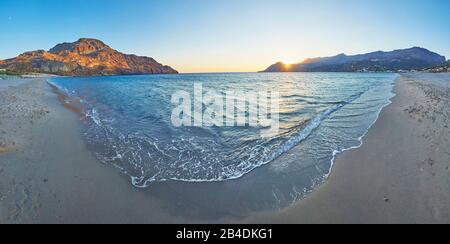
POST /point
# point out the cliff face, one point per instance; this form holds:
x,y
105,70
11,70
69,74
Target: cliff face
x,y
405,59
85,57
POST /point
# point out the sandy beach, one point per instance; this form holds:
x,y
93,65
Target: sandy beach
x,y
402,172
224,114
400,175
46,173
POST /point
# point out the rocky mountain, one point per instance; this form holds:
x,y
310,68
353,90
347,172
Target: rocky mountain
x,y
85,57
406,59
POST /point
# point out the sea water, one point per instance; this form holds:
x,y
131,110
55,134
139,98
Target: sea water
x,y
128,125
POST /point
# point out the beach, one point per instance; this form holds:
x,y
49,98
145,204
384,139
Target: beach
x,y
46,173
400,174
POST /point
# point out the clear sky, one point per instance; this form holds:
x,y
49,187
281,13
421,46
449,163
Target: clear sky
x,y
227,35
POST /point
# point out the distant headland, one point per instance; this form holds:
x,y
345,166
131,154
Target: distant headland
x,y
415,58
85,57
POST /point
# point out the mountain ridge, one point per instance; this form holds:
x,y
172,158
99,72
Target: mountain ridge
x,y
85,57
400,59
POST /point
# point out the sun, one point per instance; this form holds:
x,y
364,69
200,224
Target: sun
x,y
289,61
286,66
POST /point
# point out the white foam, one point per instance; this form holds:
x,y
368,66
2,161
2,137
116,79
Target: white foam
x,y
140,178
360,139
246,167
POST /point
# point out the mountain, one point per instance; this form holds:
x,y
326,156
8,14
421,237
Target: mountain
x,y
406,59
85,57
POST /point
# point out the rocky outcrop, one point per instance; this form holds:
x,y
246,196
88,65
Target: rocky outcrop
x,y
85,57
406,59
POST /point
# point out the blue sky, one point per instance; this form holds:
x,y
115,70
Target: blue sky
x,y
227,35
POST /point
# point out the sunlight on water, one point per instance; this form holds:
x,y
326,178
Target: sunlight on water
x,y
320,114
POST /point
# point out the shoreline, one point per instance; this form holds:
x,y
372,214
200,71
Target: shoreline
x,y
336,154
393,176
50,176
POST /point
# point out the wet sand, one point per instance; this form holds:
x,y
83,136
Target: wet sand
x,y
50,176
400,175
402,172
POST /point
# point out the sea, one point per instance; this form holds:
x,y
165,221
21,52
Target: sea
x,y
127,123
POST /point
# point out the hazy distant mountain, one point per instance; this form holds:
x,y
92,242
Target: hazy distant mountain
x,y
405,59
84,57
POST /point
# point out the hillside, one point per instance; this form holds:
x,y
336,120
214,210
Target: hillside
x,y
406,59
85,57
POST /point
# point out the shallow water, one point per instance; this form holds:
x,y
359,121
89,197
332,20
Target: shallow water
x,y
321,114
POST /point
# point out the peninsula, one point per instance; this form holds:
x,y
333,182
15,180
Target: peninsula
x,y
85,57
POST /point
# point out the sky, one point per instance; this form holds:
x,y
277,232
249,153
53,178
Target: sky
x,y
227,35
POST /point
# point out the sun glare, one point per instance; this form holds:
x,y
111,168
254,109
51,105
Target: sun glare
x,y
287,66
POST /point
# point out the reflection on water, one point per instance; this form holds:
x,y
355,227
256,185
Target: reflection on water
x,y
321,114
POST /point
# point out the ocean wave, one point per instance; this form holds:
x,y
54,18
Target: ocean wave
x,y
360,139
146,158
234,172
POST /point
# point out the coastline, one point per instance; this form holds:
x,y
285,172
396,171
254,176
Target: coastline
x,y
401,172
396,176
51,177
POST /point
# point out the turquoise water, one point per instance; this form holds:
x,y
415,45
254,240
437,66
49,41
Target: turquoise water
x,y
6,77
128,126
